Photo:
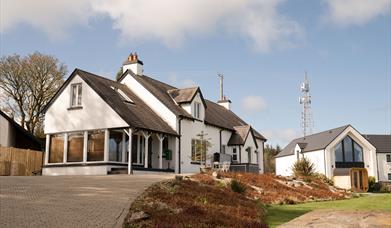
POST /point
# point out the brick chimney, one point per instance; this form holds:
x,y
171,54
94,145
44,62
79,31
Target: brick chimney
x,y
133,64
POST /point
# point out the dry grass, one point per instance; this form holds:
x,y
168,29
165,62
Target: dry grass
x,y
190,203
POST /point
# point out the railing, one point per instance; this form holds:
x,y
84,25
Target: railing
x,y
19,162
244,167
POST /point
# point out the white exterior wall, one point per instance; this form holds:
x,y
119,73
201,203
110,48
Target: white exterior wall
x,y
317,158
77,170
284,165
95,114
383,166
158,107
7,138
260,155
244,154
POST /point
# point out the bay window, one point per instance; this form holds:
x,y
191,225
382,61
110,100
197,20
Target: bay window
x,y
95,145
75,147
56,148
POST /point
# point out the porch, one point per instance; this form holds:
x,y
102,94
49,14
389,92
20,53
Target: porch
x,y
100,151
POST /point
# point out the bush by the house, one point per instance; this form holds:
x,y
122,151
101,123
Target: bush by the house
x,y
303,167
324,178
238,186
372,186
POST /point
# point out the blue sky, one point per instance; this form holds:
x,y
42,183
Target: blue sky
x,y
262,47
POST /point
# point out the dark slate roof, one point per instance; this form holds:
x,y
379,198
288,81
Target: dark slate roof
x,y
313,142
159,90
136,113
381,142
240,135
215,114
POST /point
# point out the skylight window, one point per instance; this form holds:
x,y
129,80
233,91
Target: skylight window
x,y
123,95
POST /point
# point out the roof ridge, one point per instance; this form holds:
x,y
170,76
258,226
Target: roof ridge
x,y
344,126
95,75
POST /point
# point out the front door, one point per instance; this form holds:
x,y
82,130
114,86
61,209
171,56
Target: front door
x,y
359,179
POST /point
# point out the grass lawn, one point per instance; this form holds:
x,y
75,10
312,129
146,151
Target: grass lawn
x,y
279,214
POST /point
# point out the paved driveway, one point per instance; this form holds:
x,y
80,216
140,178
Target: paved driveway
x,y
70,201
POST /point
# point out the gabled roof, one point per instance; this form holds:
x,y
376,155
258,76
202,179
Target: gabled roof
x,y
313,142
186,95
240,135
215,114
381,142
136,113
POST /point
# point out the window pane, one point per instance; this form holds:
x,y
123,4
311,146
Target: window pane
x,y
388,157
347,144
357,153
338,153
79,94
73,95
96,142
115,146
75,147
56,152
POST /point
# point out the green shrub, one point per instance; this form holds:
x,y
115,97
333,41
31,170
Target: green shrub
x,y
372,184
303,167
238,186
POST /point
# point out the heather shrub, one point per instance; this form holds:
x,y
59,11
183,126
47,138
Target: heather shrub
x,y
303,167
324,178
238,186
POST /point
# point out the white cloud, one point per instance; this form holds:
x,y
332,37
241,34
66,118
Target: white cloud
x,y
281,136
171,21
356,12
55,18
181,82
251,104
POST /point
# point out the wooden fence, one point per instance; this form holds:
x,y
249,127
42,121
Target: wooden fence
x,y
19,162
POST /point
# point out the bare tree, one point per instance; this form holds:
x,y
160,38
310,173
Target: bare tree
x,y
28,84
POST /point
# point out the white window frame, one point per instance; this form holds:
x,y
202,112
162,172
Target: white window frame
x,y
196,110
76,101
235,152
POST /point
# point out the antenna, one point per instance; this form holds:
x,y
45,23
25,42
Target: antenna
x,y
221,76
307,123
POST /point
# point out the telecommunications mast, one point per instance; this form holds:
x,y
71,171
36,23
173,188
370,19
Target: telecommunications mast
x,y
307,123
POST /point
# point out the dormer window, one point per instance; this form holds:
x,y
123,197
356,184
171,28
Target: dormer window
x,y
196,110
76,92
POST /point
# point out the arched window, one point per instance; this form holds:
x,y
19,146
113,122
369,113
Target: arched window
x,y
348,154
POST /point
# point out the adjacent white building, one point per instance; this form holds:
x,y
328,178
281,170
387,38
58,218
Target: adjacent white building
x,y
342,154
94,125
383,155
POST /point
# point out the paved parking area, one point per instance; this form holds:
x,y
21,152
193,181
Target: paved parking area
x,y
70,201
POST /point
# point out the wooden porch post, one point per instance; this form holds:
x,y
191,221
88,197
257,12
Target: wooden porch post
x,y
106,146
65,156
123,157
146,145
130,169
161,138
47,148
85,142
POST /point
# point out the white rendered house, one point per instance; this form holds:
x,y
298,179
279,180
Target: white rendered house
x,y
94,125
383,155
342,154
